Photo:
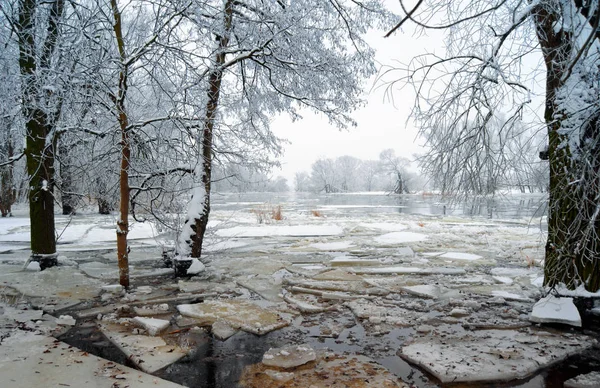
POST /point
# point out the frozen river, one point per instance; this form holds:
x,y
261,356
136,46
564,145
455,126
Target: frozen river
x,y
391,278
510,206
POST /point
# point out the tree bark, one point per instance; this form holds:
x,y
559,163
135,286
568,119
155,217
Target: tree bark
x,y
196,225
123,221
7,184
67,199
573,248
39,125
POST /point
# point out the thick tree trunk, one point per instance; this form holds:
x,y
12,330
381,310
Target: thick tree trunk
x,y
573,246
194,229
39,149
123,221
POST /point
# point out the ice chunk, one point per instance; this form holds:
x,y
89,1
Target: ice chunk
x,y
512,272
65,320
152,325
425,290
460,256
237,313
332,246
590,380
148,353
292,231
345,261
400,238
196,267
113,288
557,310
491,355
503,279
510,296
289,356
222,330
409,270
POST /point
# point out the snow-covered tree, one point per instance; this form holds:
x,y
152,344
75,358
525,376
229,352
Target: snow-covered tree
x,y
267,59
395,167
487,73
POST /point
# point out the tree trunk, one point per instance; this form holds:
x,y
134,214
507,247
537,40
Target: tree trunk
x,y
192,235
7,184
68,200
573,246
39,149
123,221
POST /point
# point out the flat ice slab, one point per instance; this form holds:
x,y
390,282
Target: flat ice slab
x,y
409,270
492,355
460,256
400,238
332,246
424,290
556,310
148,353
289,356
239,314
31,360
284,230
152,325
59,282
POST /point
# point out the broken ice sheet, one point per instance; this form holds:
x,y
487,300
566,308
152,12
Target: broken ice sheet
x,y
242,314
460,256
353,287
400,238
60,282
152,325
148,353
332,246
556,310
289,356
265,286
375,313
306,303
492,355
329,370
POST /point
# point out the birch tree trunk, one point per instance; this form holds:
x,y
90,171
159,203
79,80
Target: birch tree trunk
x,y
193,232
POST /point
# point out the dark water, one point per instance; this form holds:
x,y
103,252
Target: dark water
x,y
502,207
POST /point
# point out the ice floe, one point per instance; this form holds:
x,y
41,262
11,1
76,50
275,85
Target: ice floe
x,y
556,310
491,355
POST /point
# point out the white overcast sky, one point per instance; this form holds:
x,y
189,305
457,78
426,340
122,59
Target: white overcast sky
x,y
382,123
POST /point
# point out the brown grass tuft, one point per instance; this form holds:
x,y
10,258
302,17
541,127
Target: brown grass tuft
x,y
276,213
316,213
